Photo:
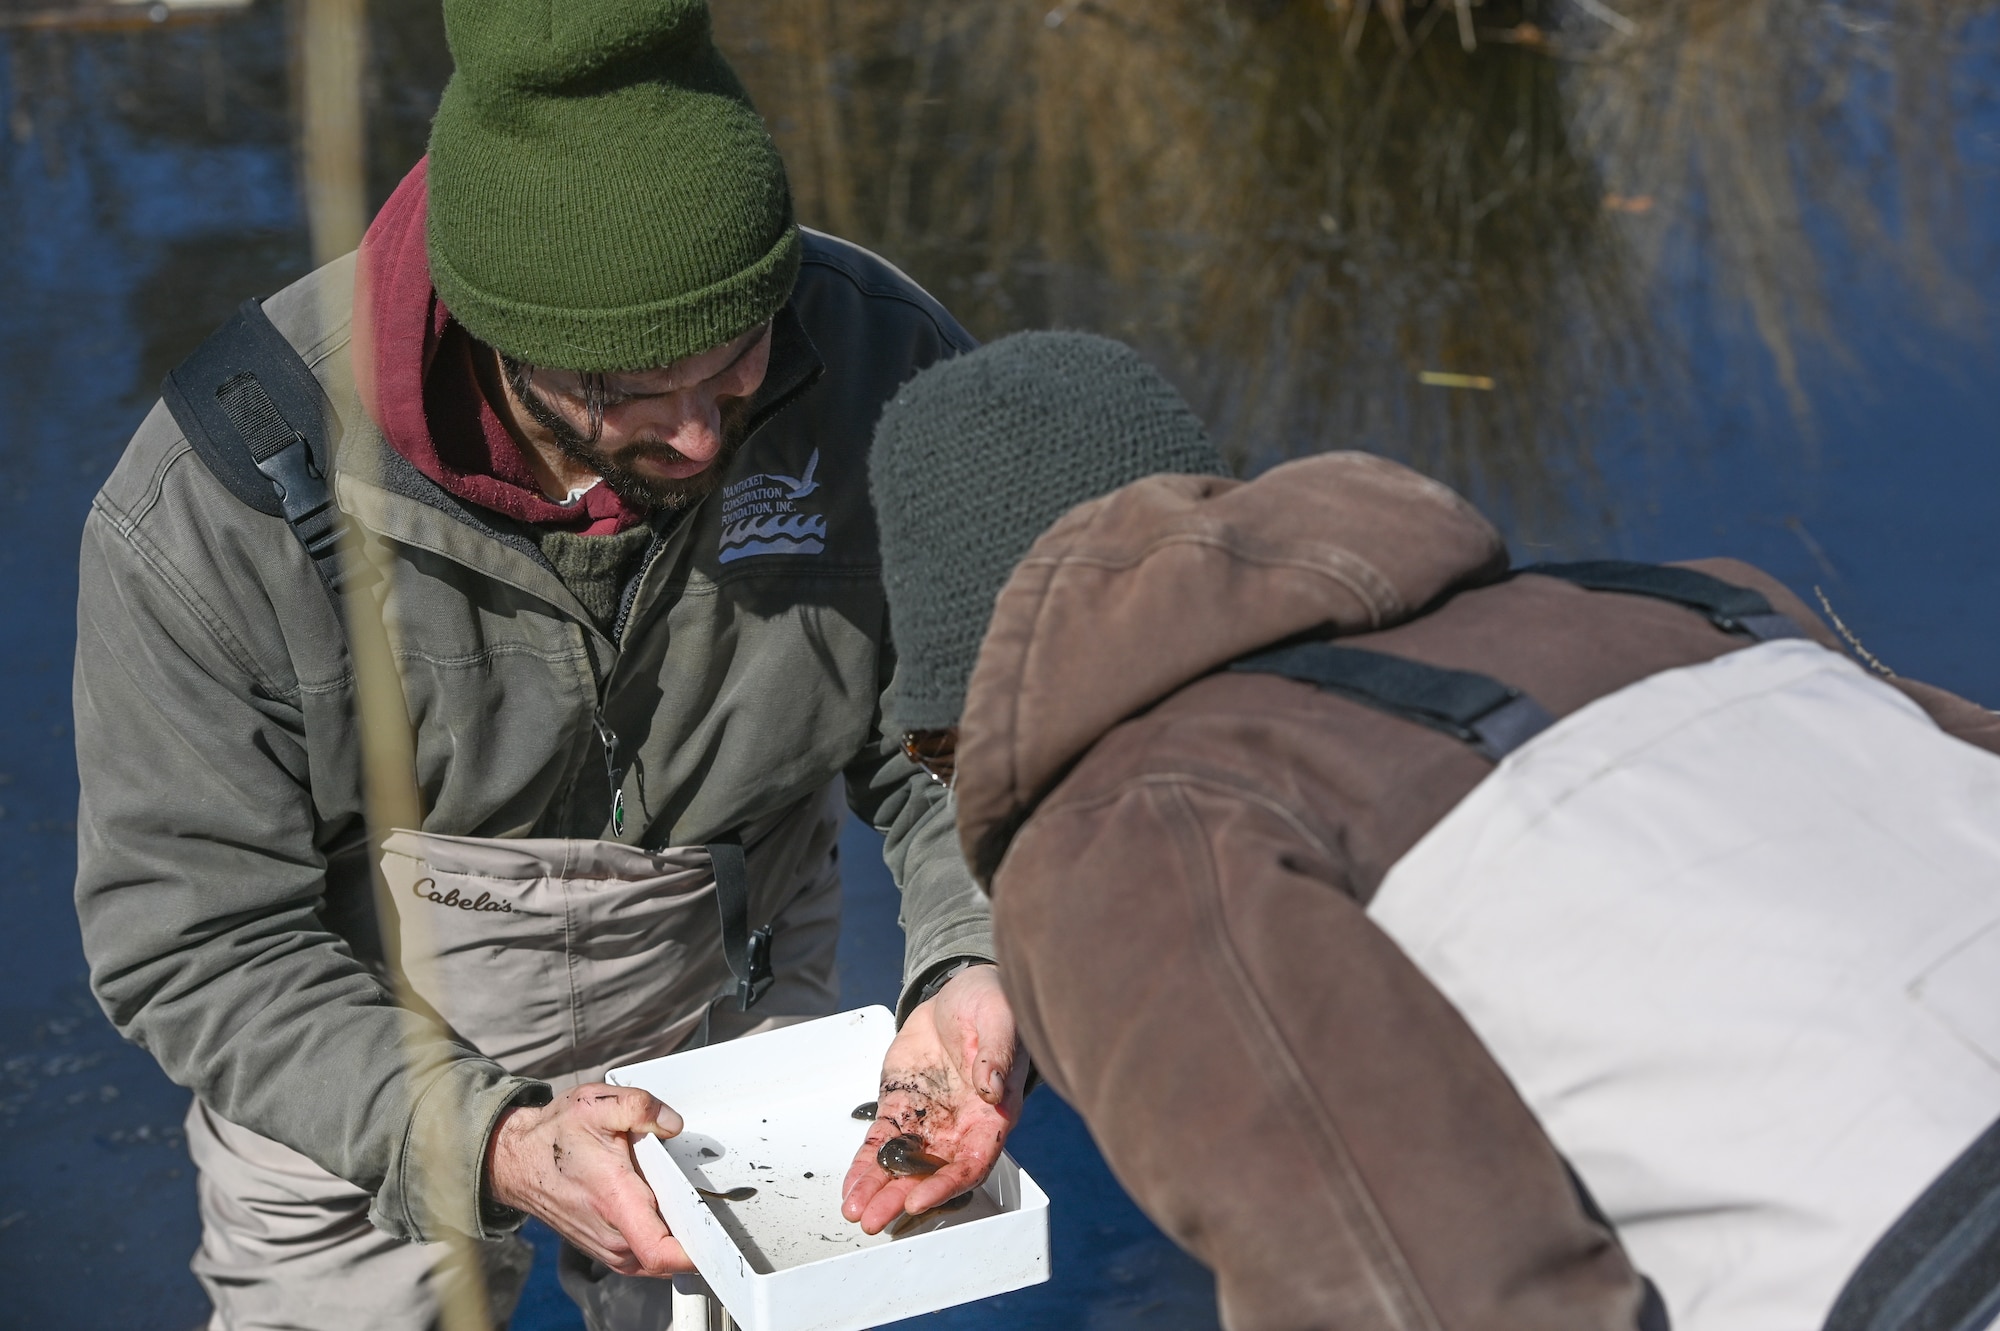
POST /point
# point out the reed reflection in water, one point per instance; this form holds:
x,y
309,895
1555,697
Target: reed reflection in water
x,y
1330,220
1302,207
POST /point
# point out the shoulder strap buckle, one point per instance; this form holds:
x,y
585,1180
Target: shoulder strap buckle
x,y
257,417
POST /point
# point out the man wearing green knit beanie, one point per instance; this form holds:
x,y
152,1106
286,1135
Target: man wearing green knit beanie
x,y
598,412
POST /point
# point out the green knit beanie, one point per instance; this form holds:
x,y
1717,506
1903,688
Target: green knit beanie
x,y
603,196
978,456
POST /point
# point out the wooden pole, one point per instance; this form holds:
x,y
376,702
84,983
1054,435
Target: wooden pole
x,y
332,64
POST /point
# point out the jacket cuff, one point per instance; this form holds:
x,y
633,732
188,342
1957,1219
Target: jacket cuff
x,y
494,1218
966,938
437,1182
927,984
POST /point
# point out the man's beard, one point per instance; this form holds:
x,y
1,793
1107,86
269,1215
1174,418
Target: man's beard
x,y
635,488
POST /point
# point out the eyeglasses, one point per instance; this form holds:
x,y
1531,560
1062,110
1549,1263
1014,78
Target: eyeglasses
x,y
936,751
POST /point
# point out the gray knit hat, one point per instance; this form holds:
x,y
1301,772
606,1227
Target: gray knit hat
x,y
978,456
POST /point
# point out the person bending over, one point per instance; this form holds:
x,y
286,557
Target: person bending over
x,y
1434,943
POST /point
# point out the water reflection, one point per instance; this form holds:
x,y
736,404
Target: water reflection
x,y
1302,207
295,122
1790,144
1299,207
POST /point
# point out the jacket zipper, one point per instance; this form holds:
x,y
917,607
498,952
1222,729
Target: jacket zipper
x,y
608,737
630,598
614,776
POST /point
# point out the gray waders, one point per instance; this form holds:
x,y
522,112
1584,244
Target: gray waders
x,y
1759,1041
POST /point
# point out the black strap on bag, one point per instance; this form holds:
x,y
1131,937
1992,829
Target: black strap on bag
x,y
1490,716
1495,718
1938,1267
256,416
747,951
1652,1308
1730,608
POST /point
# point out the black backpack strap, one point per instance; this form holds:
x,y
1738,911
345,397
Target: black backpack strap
x,y
1730,608
1490,716
748,952
1652,1308
258,419
1938,1267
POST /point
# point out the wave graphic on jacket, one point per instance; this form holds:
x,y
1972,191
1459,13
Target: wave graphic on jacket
x,y
760,516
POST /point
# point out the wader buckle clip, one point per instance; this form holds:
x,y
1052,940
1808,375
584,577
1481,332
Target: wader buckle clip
x,y
751,987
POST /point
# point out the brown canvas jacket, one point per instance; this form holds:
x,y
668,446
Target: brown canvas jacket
x,y
1174,854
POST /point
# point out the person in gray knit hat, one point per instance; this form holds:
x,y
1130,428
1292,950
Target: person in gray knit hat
x,y
972,459
976,456
1430,942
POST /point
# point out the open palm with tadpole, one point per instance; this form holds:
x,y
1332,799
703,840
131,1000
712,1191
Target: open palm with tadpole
x,y
951,1092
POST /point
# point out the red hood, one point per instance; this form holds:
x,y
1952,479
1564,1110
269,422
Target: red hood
x,y
413,365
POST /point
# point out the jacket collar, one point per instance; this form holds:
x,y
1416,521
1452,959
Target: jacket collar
x,y
379,488
795,366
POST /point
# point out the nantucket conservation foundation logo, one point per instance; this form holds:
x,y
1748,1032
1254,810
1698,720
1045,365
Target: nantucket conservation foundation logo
x,y
761,516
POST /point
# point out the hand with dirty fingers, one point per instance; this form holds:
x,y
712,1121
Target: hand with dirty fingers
x,y
570,1164
951,1091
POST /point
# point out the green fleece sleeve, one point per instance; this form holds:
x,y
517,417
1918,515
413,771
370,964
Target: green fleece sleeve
x,y
944,914
204,835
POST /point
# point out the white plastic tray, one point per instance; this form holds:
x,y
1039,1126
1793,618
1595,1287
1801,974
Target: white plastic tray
x,y
775,1112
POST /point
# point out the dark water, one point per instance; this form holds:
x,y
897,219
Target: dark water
x,y
1731,276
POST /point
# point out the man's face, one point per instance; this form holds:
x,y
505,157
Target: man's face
x,y
664,433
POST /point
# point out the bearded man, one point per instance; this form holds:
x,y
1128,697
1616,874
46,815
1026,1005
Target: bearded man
x,y
597,412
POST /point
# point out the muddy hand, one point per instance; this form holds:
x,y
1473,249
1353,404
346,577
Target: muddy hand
x,y
570,1162
951,1083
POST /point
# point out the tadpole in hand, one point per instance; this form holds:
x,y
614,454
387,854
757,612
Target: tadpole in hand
x,y
904,1224
905,1155
866,1112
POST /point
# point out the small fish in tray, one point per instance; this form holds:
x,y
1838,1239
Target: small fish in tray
x,y
904,1226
